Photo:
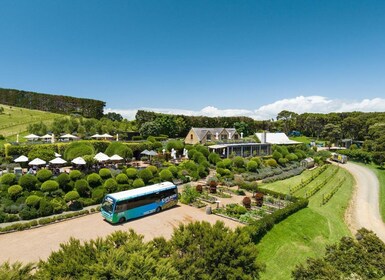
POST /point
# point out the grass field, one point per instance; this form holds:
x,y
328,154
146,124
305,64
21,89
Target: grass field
x,y
306,140
306,233
15,120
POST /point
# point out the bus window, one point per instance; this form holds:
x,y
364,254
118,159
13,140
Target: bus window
x,y
108,205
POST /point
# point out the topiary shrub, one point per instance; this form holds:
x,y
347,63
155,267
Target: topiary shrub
x,y
82,187
46,153
212,182
75,175
121,178
28,213
94,180
138,183
259,199
45,207
165,175
246,201
64,182
8,179
44,175
238,162
78,149
98,194
199,188
120,149
111,185
252,166
173,169
14,191
33,200
28,182
105,173
71,196
49,186
271,162
131,173
153,169
145,174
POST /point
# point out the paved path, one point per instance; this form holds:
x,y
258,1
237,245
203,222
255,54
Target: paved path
x,y
364,208
34,244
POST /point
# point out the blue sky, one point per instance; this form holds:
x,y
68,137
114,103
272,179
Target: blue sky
x,y
199,57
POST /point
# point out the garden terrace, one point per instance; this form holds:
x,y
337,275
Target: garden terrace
x,y
242,149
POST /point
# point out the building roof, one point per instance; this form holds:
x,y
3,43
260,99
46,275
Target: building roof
x,y
276,138
221,146
202,131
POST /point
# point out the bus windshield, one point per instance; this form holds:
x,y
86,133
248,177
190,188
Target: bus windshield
x,y
108,205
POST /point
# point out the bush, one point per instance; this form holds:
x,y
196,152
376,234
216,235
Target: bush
x,y
28,182
271,162
78,149
120,149
45,207
49,186
276,155
165,175
111,185
94,180
121,178
173,169
138,183
8,179
131,173
71,196
246,202
238,162
75,175
98,194
46,153
175,144
14,191
44,175
252,166
64,182
189,195
28,213
145,175
153,169
82,188
105,173
33,200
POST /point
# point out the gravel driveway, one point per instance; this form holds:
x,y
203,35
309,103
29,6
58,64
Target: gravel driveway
x,y
32,245
364,207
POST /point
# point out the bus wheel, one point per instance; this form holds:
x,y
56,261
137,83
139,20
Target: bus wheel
x,y
158,210
122,220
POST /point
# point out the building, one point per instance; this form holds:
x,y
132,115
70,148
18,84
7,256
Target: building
x,y
307,163
241,149
203,135
277,138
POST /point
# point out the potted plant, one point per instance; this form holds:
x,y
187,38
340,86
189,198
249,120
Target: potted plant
x,y
212,182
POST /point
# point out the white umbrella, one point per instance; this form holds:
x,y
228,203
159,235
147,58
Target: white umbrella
x,y
32,137
68,136
79,161
101,157
152,153
96,136
116,157
37,161
58,160
145,152
57,155
106,135
21,159
47,136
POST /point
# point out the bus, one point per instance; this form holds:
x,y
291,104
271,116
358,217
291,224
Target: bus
x,y
122,206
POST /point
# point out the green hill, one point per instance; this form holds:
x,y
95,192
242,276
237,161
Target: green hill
x,y
15,120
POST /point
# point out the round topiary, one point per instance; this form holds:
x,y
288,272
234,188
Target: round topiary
x,y
98,194
138,183
64,182
246,202
271,162
145,175
252,166
49,186
78,149
238,162
120,149
28,182
131,173
105,173
8,179
199,188
33,200
153,169
121,178
14,191
111,185
45,207
71,196
173,169
165,175
75,175
44,175
82,188
94,180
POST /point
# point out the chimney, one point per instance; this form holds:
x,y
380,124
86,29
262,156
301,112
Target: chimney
x,y
241,135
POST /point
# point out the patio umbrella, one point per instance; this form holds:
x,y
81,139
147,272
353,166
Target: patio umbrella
x,y
69,136
58,160
152,153
32,137
96,136
57,155
145,152
101,157
79,161
37,161
47,136
21,159
106,135
116,157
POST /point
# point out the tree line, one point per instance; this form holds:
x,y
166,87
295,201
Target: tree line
x,y
89,108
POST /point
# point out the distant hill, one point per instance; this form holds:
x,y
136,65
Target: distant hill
x,y
61,104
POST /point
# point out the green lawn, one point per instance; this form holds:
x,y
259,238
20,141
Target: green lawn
x,y
306,233
306,140
15,120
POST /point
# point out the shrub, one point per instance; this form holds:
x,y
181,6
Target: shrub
x,y
175,144
58,205
120,149
291,157
111,185
8,179
271,162
189,195
49,186
121,178
64,182
45,207
238,162
246,202
227,163
78,149
153,169
276,155
75,175
173,169
105,173
252,166
71,196
28,182
94,180
131,173
283,161
82,188
44,175
138,183
42,153
28,213
199,188
14,191
33,200
145,175
165,175
98,194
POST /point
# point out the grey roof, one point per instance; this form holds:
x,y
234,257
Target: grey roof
x,y
202,131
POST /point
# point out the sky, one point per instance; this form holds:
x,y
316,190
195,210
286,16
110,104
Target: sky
x,y
215,58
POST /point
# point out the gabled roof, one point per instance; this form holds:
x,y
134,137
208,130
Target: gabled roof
x,y
202,131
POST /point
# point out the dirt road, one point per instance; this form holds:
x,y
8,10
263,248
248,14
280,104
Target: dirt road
x,y
32,245
364,208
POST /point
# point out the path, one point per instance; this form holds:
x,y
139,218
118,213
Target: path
x,y
364,208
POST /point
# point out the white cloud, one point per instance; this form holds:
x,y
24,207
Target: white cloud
x,y
299,104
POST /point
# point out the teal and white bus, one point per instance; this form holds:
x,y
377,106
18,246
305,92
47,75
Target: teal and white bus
x,y
122,206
